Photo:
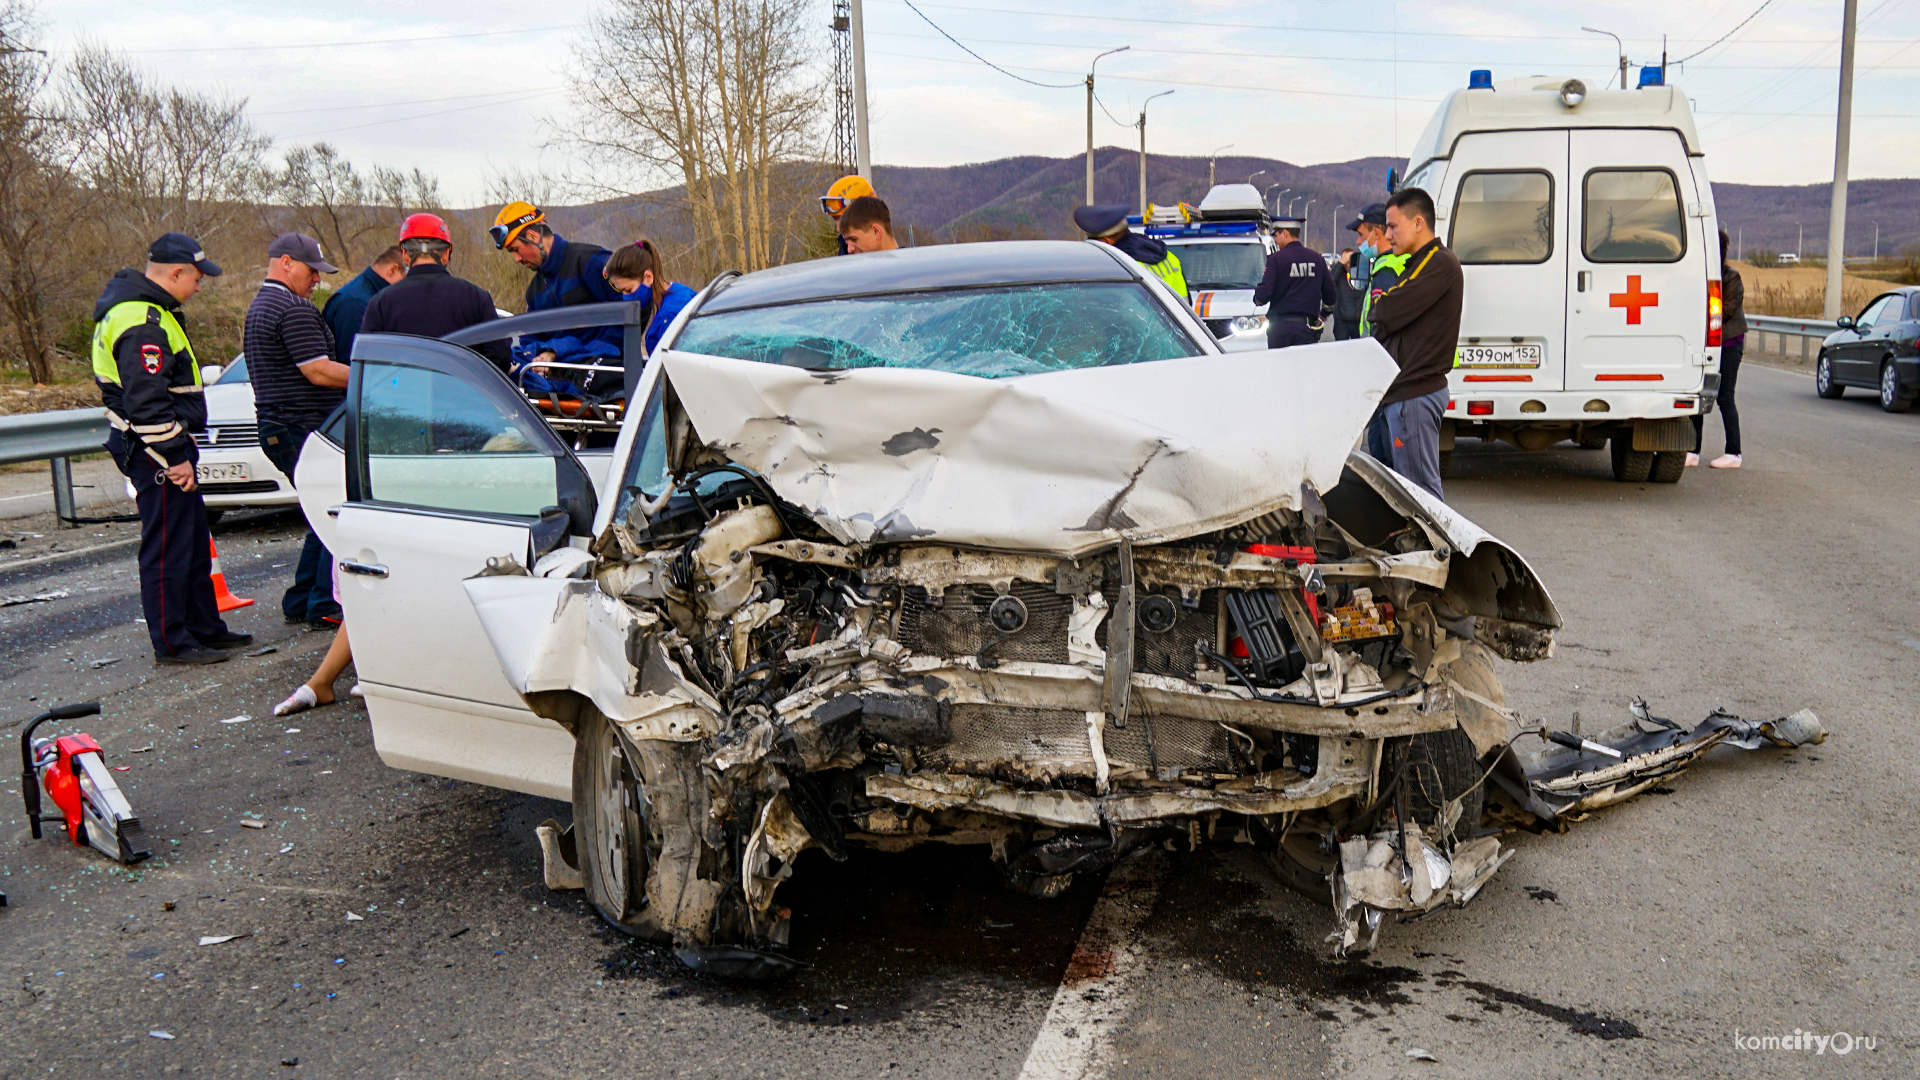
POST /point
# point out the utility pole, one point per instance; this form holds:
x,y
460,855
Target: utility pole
x,y
1876,241
1800,245
1333,232
1143,152
1619,46
1210,160
1842,148
1090,67
863,149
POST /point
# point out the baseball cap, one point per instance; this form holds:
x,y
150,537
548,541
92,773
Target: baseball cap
x,y
303,248
175,249
1370,214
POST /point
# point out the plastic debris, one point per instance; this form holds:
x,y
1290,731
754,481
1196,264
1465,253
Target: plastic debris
x,y
167,1035
250,824
37,598
286,849
265,651
241,719
141,749
220,939
293,731
1418,1054
121,768
351,917
103,661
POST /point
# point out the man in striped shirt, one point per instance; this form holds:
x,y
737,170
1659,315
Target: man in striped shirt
x,y
297,380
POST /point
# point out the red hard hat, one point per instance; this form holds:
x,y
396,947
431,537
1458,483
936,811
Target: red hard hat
x,y
424,227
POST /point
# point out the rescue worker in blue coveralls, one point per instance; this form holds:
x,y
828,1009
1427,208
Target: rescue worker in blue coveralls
x,y
565,274
348,304
150,383
1297,288
1108,224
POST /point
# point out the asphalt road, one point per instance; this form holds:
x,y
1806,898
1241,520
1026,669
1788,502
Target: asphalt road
x,y
1766,892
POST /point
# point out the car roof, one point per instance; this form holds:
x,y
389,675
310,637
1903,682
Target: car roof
x,y
1005,262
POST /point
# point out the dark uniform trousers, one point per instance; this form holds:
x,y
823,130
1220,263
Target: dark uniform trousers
x,y
311,595
1287,331
176,555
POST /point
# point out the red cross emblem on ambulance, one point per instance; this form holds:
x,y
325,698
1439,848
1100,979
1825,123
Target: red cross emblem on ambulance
x,y
1633,299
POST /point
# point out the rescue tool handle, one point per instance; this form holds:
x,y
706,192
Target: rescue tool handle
x,y
348,566
29,780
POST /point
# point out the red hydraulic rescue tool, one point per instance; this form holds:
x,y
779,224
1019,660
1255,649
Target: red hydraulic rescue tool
x,y
74,775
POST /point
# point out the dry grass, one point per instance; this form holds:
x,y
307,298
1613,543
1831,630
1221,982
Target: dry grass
x,y
1801,291
15,400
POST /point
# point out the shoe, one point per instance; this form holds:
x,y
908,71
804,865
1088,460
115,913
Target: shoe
x,y
1692,459
1725,461
326,622
230,640
199,654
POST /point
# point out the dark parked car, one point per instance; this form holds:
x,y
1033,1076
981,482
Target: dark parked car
x,y
1876,350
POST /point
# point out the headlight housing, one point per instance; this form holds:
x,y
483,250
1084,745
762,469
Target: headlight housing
x,y
1247,324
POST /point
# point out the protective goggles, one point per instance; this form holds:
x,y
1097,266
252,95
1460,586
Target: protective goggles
x,y
834,205
500,233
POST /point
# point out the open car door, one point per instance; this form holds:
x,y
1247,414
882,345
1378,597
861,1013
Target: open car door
x,y
447,467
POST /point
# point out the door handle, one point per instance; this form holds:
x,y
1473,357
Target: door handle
x,y
348,566
1581,280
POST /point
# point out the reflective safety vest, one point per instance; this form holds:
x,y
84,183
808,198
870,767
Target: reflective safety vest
x,y
1389,261
123,317
1168,270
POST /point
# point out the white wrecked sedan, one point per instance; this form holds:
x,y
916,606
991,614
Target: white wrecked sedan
x,y
979,544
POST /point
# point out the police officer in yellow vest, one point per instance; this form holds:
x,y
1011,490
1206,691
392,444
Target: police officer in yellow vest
x,y
1108,224
150,384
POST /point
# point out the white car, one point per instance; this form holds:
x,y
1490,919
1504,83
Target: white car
x,y
970,544
233,471
1223,254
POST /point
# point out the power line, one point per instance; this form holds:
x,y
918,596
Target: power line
x,y
984,60
1157,81
1756,14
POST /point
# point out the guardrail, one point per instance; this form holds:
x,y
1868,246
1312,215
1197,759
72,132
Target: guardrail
x,y
1809,331
56,437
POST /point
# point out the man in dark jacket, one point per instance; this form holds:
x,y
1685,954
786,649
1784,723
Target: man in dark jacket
x,y
430,301
1297,288
1418,321
565,274
348,304
150,383
1350,296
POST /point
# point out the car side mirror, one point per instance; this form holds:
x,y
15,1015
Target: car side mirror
x,y
1845,322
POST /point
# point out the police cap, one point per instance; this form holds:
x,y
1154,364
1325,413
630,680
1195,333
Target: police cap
x,y
1370,214
1295,225
176,249
1101,221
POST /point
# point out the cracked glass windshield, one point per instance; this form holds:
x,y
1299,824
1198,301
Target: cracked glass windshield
x,y
991,333
1235,265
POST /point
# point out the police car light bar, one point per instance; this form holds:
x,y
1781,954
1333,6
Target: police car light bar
x,y
1223,228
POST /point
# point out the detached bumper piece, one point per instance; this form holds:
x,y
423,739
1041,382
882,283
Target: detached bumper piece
x,y
1411,871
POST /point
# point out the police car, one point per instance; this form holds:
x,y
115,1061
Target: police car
x,y
1222,246
1584,223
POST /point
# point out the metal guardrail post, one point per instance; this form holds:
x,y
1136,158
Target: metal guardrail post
x,y
63,492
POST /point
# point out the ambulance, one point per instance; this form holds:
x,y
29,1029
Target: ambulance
x,y
1222,245
1585,227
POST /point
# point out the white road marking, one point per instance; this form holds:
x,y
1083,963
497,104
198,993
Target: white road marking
x,y
1074,1042
28,495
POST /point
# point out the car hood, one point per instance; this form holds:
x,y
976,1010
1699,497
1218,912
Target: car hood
x,y
1063,463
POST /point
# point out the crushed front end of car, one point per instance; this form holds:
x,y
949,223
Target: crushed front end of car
x,y
1063,616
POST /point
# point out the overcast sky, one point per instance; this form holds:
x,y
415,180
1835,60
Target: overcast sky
x,y
477,90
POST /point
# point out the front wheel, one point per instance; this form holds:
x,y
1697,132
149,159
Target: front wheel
x,y
1823,383
1891,397
611,830
1630,466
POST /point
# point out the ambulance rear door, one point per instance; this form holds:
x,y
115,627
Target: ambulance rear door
x,y
1505,201
1638,316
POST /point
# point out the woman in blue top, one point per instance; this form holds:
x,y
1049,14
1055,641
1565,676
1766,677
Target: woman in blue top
x,y
636,270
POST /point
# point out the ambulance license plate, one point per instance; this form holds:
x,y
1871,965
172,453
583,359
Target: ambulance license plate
x,y
1500,355
222,473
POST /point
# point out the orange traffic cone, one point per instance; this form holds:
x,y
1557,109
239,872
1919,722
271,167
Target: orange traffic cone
x,y
224,599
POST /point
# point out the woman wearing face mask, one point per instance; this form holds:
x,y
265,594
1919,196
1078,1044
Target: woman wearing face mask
x,y
637,271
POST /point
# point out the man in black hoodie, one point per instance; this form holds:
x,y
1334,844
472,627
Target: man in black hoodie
x,y
150,383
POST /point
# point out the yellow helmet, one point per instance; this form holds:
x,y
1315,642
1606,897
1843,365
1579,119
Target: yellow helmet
x,y
512,218
844,191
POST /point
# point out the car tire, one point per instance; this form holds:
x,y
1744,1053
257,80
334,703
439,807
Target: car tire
x,y
1891,399
1630,466
1823,381
611,832
1668,467
1440,768
214,516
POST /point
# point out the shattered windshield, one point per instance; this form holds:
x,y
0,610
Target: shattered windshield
x,y
990,333
1220,266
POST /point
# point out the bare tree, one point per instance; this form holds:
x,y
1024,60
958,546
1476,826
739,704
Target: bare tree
x,y
44,213
354,214
163,159
714,96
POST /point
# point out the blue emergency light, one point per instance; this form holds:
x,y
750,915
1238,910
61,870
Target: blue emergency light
x,y
1219,228
1481,79
1652,76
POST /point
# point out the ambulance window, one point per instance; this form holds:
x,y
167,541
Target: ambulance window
x,y
1503,217
1633,216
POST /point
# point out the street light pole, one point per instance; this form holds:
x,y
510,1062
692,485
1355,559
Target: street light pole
x,y
1618,44
1090,67
1143,151
862,149
1210,160
1333,231
1800,245
1842,148
1305,218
